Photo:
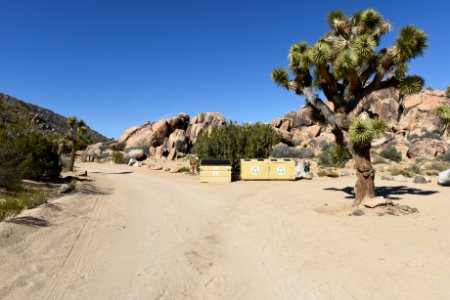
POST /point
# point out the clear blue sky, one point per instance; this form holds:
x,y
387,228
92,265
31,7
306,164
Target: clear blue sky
x,y
116,64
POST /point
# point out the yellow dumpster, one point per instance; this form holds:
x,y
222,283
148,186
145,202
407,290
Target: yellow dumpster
x,y
281,169
215,171
255,169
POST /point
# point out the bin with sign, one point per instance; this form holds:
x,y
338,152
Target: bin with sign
x,y
215,171
281,169
255,169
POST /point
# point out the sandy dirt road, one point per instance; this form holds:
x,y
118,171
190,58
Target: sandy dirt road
x,y
140,234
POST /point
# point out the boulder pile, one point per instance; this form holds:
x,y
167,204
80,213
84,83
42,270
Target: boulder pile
x,y
413,126
170,137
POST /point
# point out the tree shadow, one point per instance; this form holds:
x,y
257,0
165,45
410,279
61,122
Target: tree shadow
x,y
53,206
388,192
113,173
89,189
30,221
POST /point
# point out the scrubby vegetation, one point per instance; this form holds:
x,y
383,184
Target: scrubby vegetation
x,y
445,157
24,153
20,199
392,154
233,142
283,150
334,155
118,157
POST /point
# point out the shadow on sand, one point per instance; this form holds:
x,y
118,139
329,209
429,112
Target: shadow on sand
x,y
30,221
113,173
388,192
89,189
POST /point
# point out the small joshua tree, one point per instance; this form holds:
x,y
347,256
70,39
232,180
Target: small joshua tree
x,y
447,92
75,136
443,112
346,64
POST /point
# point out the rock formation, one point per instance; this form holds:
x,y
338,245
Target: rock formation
x,y
413,127
170,137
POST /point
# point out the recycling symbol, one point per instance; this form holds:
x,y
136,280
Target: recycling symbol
x,y
254,170
281,170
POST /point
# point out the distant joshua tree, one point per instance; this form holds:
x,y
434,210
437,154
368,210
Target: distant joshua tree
x,y
75,137
447,92
443,112
346,64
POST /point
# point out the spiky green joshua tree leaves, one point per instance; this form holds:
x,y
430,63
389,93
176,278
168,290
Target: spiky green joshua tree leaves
x,y
362,131
346,65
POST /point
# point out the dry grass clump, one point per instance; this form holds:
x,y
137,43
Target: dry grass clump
x,y
15,201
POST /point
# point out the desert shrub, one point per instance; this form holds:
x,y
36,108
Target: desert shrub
x,y
334,155
413,137
117,146
117,157
391,153
445,157
431,173
233,142
438,166
400,171
26,155
283,150
184,169
379,160
42,158
327,173
19,199
414,168
447,92
435,134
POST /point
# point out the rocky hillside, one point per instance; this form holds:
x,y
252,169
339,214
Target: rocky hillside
x,y
43,120
169,137
414,128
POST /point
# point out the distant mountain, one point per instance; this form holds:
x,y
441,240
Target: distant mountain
x,y
43,120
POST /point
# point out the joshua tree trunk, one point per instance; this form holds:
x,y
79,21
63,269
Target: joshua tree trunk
x,y
445,133
365,174
72,157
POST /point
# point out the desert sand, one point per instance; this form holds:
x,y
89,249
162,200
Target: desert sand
x,y
133,233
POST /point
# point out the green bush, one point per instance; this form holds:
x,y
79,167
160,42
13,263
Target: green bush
x,y
117,157
233,142
334,155
117,147
24,153
42,159
283,150
391,153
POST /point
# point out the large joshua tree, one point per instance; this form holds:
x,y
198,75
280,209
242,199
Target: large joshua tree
x,y
347,64
75,136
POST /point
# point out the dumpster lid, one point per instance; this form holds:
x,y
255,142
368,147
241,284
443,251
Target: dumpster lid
x,y
215,162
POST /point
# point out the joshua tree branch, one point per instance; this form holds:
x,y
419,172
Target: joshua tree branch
x,y
320,106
